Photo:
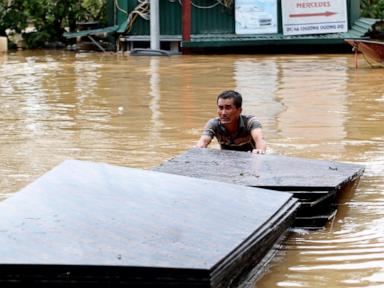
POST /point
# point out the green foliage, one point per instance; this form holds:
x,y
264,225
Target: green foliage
x,y
36,39
373,8
48,17
95,10
12,16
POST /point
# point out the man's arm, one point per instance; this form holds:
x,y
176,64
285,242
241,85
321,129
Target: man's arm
x,y
204,141
208,134
261,145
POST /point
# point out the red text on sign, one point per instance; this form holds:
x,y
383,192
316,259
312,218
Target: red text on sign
x,y
313,4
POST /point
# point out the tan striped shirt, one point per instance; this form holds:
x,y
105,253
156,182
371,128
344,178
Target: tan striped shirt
x,y
241,140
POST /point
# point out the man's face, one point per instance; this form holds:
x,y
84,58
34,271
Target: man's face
x,y
227,111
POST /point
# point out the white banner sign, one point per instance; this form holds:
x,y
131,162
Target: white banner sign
x,y
256,16
314,17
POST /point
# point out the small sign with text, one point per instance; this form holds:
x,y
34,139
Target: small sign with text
x,y
314,17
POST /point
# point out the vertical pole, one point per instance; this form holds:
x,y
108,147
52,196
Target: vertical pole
x,y
155,24
186,20
3,44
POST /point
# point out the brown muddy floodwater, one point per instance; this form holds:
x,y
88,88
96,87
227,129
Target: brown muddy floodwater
x,y
141,111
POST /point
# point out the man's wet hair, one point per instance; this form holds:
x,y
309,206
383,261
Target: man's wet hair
x,y
231,94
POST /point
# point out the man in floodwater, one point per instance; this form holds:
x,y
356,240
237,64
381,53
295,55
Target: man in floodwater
x,y
233,130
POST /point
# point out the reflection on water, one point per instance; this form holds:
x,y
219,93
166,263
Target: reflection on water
x,y
155,102
258,80
140,111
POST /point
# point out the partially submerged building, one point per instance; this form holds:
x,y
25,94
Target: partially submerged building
x,y
203,24
242,23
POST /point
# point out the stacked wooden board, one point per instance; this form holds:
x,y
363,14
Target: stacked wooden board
x,y
316,183
86,224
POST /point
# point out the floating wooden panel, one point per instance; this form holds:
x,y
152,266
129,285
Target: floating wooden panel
x,y
86,222
315,183
262,170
